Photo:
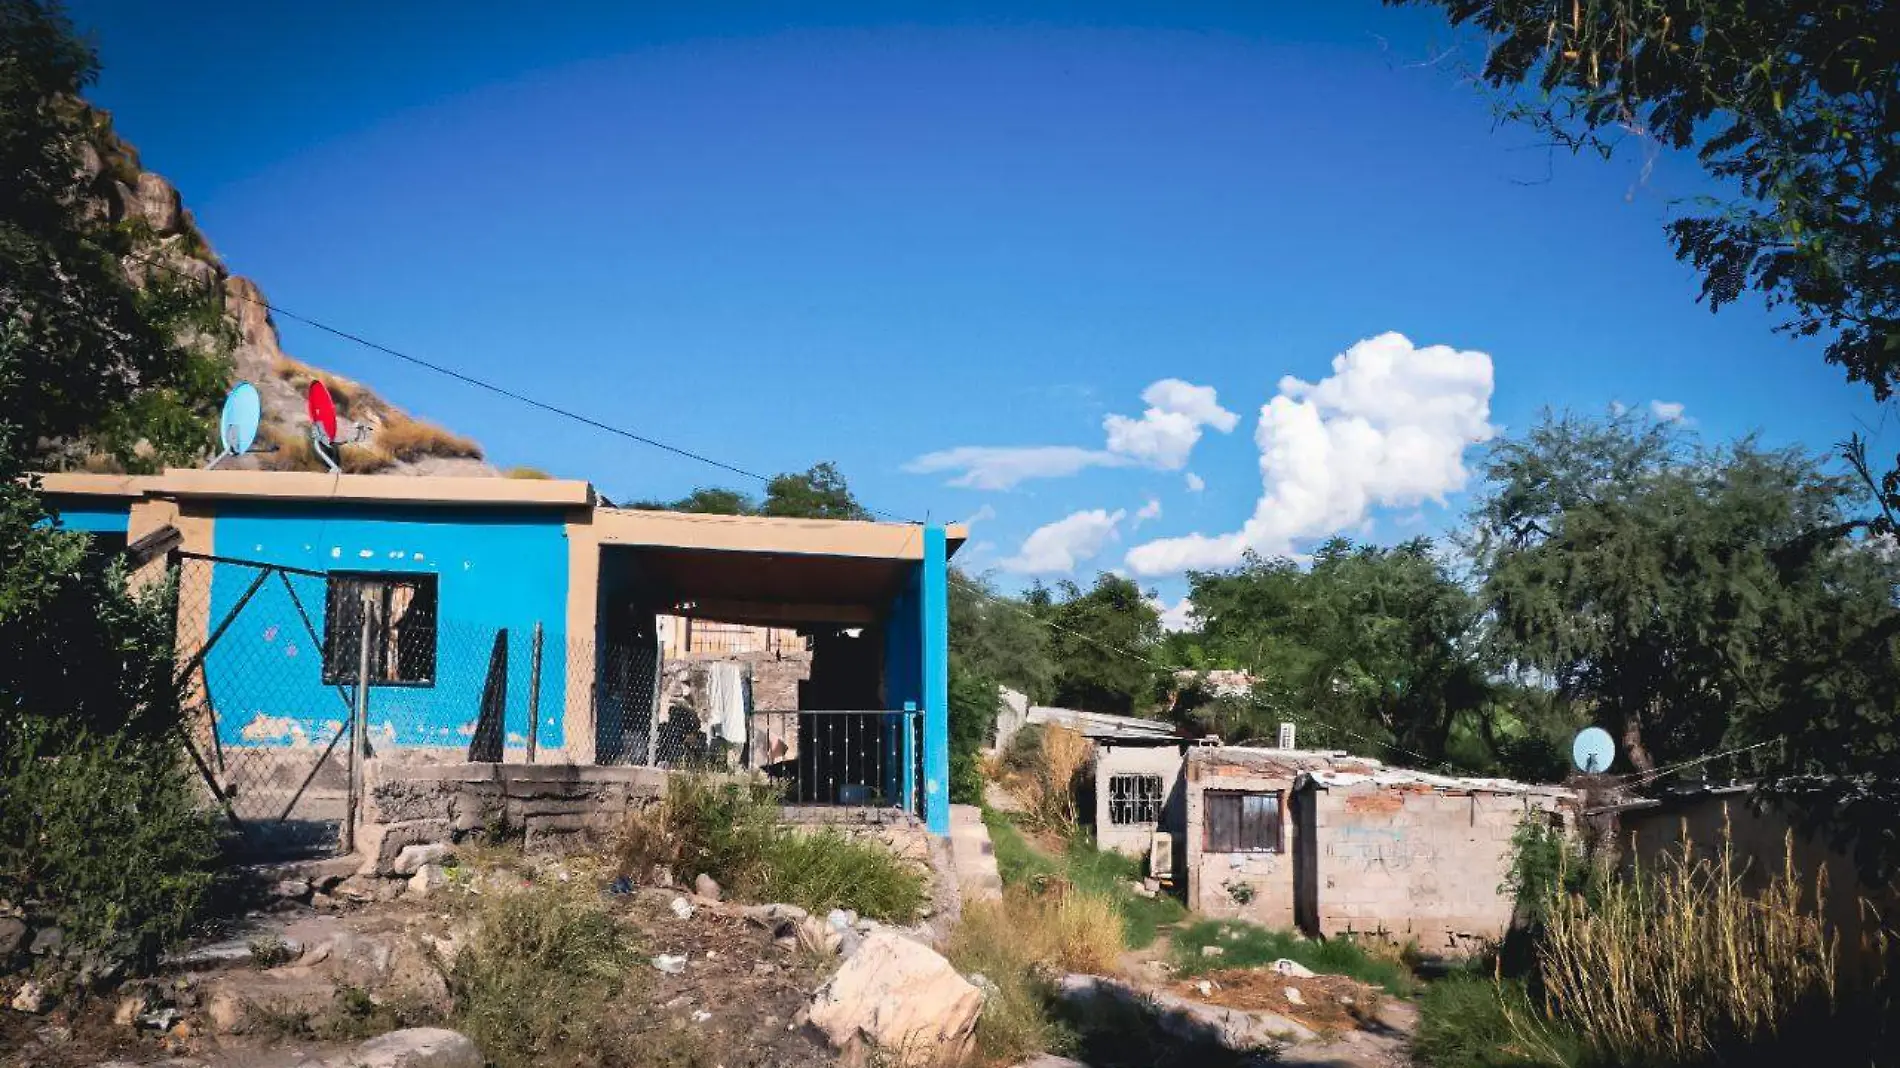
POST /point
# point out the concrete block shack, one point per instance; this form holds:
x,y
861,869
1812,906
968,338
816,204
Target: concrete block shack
x,y
1336,844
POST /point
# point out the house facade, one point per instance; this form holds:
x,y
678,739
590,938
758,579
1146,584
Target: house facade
x,y
531,619
1340,845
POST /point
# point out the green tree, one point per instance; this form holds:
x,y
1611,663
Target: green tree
x,y
819,492
999,638
706,500
1103,642
1792,105
1691,597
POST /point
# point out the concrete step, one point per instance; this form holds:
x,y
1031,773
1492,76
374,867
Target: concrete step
x,y
971,853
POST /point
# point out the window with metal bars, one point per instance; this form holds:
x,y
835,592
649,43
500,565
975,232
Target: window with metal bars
x,y
402,637
1134,799
1235,822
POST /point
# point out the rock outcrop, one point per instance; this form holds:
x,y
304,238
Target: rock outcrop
x,y
901,998
170,247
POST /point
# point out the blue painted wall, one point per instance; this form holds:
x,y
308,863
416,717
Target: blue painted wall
x,y
90,514
917,668
494,568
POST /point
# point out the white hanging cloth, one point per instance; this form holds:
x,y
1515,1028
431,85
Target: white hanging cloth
x,y
726,695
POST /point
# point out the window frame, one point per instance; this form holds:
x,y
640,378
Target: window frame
x,y
341,586
1209,798
1138,802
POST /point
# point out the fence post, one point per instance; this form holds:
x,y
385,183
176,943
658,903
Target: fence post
x,y
359,725
534,692
910,756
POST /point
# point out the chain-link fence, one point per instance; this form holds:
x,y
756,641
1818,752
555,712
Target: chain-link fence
x,y
277,663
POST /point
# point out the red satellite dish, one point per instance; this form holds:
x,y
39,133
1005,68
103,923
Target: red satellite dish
x,y
322,409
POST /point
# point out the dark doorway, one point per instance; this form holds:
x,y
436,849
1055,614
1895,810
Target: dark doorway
x,y
1305,863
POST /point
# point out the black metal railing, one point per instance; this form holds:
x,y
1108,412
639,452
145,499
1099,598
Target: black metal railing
x,y
861,758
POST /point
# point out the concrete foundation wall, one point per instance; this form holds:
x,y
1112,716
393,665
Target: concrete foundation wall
x,y
1163,761
1403,863
553,807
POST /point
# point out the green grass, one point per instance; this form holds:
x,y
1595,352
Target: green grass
x,y
827,869
1245,945
1089,869
1462,1024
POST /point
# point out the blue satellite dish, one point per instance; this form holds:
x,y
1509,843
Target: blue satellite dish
x,y
1593,750
237,426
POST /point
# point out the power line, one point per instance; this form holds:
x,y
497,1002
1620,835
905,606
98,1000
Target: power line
x,y
499,390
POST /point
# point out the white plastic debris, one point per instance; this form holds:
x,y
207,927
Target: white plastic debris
x,y
670,964
701,1016
1293,996
682,908
1291,968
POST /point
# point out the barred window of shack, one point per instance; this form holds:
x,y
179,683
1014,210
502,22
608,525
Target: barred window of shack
x,y
1134,799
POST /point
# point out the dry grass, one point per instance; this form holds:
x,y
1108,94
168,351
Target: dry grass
x,y
530,473
353,399
1049,787
1021,944
1671,965
410,439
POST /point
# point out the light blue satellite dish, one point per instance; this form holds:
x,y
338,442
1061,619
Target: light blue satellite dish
x,y
237,424
1593,750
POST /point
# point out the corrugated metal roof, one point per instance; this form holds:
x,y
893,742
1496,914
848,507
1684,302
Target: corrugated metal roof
x,y
1332,778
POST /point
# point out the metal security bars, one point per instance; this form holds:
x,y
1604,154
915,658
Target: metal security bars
x,y
1134,799
869,759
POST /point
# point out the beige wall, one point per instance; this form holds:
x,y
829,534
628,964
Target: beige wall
x,y
1162,760
1213,877
1404,863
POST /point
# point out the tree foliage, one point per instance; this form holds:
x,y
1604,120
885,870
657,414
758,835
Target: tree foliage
x,y
1697,598
819,492
1102,641
1794,105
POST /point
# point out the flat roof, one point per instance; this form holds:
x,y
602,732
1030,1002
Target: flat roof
x,y
767,534
319,486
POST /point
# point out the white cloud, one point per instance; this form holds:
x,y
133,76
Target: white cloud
x,y
996,468
1151,510
1057,547
982,514
1161,437
1195,483
1389,427
1667,411
1178,616
1167,431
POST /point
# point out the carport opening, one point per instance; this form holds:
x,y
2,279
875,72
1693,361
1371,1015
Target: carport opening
x,y
775,663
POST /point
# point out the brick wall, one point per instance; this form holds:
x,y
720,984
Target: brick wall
x,y
1257,887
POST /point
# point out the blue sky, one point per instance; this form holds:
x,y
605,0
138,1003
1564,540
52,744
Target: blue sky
x,y
900,229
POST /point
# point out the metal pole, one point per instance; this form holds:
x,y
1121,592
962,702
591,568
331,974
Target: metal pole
x,y
534,693
359,720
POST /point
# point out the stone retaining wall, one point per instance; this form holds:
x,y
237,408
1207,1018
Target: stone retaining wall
x,y
550,807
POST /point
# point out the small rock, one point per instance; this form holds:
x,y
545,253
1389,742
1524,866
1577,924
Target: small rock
x,y
32,998
54,1035
815,937
701,1016
47,942
417,1047
706,886
1141,890
712,954
773,917
1212,951
160,1019
682,908
670,964
764,967
13,933
662,875
412,857
427,880
840,919
1293,996
1204,987
290,889
1291,968
1152,883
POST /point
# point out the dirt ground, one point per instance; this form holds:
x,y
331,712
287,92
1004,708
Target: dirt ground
x,y
1328,1003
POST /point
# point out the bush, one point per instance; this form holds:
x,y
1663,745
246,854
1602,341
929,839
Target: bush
x,y
1062,755
537,981
1469,1021
973,706
106,832
730,831
407,438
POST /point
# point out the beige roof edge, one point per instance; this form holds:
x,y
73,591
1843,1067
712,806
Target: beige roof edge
x,y
309,485
767,534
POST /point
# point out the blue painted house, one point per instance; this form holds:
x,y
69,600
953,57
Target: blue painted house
x,y
292,584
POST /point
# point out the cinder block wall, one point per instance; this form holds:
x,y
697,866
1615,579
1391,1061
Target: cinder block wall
x,y
1416,862
1161,760
1257,887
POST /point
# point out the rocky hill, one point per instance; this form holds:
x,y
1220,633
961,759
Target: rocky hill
x,y
123,192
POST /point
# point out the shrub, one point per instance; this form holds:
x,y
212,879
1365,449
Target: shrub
x,y
536,982
107,832
1470,1021
522,471
827,869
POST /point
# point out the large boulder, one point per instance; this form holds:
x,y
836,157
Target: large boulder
x,y
899,997
416,1047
